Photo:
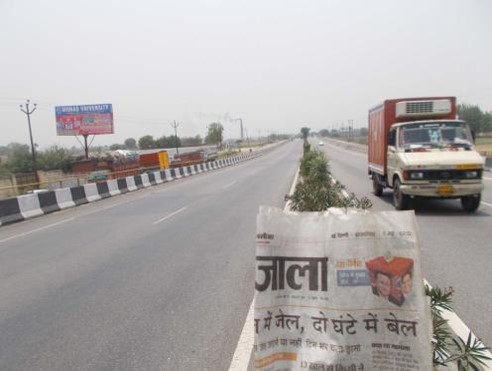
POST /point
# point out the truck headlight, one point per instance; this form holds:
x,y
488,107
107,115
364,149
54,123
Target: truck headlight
x,y
471,174
416,175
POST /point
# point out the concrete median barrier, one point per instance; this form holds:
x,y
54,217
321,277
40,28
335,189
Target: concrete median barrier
x,y
103,189
10,211
122,185
78,195
64,198
29,206
130,184
48,202
91,193
113,187
145,180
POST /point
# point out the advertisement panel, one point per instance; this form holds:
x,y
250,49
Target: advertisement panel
x,y
340,291
91,119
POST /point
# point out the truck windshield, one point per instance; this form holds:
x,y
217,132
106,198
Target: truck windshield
x,y
432,134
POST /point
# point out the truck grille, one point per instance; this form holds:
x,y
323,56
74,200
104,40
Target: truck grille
x,y
447,174
420,107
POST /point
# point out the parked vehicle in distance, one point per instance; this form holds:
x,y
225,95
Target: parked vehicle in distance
x,y
158,160
418,148
188,159
210,154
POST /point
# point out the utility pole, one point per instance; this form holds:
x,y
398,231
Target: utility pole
x,y
175,125
33,151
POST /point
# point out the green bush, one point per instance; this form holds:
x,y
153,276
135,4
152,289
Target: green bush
x,y
316,191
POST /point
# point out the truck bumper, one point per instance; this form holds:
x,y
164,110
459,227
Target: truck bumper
x,y
442,190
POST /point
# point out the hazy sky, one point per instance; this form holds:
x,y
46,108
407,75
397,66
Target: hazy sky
x,y
277,64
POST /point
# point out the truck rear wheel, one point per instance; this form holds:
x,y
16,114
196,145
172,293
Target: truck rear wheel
x,y
470,203
376,185
400,201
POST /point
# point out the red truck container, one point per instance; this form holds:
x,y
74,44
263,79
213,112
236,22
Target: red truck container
x,y
418,148
154,161
188,158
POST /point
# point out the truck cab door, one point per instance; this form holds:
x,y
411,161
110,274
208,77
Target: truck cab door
x,y
391,159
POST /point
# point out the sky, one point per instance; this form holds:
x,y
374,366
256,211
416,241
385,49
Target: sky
x,y
276,64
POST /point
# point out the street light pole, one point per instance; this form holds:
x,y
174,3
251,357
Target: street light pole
x,y
33,151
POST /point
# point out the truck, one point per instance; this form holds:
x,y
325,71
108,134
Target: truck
x,y
158,160
419,148
188,159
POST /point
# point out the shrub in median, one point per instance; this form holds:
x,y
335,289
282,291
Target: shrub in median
x,y
316,191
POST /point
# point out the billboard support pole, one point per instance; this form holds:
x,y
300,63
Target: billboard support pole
x,y
86,147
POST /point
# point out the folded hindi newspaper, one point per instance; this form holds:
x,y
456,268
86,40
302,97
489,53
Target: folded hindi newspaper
x,y
340,290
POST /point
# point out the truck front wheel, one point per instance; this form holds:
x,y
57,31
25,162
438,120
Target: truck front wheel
x,y
470,203
400,200
376,185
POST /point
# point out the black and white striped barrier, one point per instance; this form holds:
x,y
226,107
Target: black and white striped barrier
x,y
29,206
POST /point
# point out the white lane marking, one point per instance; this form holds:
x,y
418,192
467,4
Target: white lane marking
x,y
244,347
486,178
292,189
229,185
170,215
36,230
242,354
486,204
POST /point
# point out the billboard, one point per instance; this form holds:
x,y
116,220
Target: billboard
x,y
90,119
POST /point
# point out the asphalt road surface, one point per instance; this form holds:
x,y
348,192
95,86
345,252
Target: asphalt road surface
x,y
161,278
456,246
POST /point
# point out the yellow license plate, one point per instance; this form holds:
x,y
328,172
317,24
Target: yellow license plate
x,y
445,189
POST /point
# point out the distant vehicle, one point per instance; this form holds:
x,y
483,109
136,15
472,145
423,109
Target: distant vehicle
x,y
98,176
158,160
432,157
321,144
210,154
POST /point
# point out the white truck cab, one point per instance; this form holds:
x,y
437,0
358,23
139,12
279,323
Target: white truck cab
x,y
434,158
418,148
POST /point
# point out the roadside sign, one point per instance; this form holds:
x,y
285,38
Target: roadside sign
x,y
94,119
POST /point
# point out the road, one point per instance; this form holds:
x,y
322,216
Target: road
x,y
456,247
161,278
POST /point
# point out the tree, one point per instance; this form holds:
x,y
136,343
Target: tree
x,y
167,142
214,135
363,132
192,141
130,143
55,157
305,132
324,133
19,158
478,120
146,142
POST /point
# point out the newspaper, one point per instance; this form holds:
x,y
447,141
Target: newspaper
x,y
340,290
